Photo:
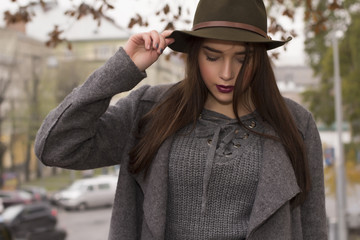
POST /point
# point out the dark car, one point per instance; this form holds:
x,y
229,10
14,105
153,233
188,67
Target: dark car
x,y
14,197
33,221
5,233
38,193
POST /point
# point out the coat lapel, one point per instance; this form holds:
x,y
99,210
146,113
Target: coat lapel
x,y
277,184
155,189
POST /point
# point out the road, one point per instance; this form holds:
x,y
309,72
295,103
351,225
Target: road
x,y
91,224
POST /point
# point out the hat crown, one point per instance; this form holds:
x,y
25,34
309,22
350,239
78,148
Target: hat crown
x,y
251,12
229,20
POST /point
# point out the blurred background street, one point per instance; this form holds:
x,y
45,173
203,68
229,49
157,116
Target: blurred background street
x,y
92,224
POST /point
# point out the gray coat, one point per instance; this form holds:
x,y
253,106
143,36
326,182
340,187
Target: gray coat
x,y
83,132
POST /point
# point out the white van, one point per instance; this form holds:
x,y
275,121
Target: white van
x,y
89,192
1,205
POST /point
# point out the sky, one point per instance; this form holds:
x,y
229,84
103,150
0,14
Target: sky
x,y
124,10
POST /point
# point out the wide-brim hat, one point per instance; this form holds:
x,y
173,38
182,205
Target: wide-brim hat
x,y
232,20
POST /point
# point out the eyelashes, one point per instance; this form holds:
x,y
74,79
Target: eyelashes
x,y
213,59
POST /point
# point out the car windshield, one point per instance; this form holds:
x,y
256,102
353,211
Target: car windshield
x,y
11,212
24,195
77,186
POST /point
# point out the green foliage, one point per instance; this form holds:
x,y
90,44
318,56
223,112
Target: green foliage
x,y
350,72
321,103
315,46
58,82
321,100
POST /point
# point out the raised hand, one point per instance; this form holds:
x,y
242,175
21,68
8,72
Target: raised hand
x,y
145,48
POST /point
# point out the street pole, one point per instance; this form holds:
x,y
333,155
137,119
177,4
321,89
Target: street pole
x,y
339,153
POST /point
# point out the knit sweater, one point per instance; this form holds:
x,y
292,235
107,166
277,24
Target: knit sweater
x,y
213,176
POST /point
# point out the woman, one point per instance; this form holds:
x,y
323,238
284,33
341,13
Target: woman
x,y
219,155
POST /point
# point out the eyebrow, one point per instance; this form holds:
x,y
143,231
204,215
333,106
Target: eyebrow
x,y
218,51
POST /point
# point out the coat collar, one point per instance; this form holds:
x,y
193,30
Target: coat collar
x,y
277,185
155,187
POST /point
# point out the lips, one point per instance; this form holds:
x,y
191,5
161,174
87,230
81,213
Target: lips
x,y
225,89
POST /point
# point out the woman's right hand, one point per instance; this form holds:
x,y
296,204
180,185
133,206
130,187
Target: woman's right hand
x,y
145,48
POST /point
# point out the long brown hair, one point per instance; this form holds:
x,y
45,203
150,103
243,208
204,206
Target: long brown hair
x,y
184,102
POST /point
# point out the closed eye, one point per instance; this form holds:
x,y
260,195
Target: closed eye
x,y
211,59
241,60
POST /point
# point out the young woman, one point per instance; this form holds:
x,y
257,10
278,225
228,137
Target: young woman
x,y
218,155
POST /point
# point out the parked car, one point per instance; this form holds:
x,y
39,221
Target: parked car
x,y
5,233
1,206
14,197
86,193
33,221
38,193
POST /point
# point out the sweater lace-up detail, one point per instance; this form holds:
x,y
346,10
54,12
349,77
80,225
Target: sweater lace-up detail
x,y
213,174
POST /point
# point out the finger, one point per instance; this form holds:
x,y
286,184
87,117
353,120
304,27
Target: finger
x,y
147,40
155,39
162,44
167,33
169,41
165,42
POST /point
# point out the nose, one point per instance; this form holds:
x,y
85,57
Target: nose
x,y
227,71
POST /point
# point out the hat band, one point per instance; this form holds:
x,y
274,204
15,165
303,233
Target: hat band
x,y
230,24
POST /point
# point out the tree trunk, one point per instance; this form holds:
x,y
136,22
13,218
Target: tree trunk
x,y
27,161
2,152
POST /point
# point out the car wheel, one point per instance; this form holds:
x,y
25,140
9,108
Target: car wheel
x,y
82,207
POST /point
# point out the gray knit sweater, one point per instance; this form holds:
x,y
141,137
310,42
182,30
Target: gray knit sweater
x,y
213,176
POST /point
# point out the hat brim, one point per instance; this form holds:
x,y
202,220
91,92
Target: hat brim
x,y
182,38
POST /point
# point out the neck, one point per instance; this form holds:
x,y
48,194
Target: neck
x,y
228,111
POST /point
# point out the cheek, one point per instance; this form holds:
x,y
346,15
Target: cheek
x,y
207,72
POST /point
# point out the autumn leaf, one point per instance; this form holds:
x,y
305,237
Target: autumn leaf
x,y
309,5
166,9
293,33
275,55
289,13
169,26
137,20
334,5
69,46
20,16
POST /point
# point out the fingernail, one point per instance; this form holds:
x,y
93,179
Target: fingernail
x,y
157,46
161,50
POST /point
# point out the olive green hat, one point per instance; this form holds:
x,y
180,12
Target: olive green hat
x,y
233,20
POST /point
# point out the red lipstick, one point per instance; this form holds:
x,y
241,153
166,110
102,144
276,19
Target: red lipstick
x,y
225,89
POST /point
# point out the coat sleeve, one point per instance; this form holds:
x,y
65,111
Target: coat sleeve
x,y
313,214
83,132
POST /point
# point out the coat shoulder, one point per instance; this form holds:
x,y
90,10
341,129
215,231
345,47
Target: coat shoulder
x,y
155,93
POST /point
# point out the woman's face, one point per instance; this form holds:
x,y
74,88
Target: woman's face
x,y
220,63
